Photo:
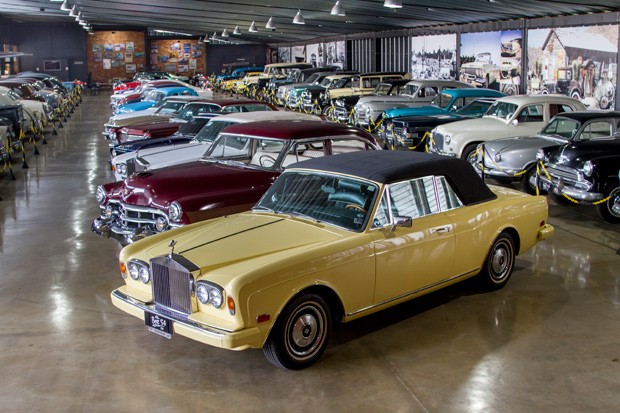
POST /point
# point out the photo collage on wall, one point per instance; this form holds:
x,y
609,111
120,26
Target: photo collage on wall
x,y
117,56
492,60
433,57
174,56
580,62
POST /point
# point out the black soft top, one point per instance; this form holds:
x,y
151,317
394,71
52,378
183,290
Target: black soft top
x,y
392,166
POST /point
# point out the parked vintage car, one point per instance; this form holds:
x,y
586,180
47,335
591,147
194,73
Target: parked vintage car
x,y
616,205
272,71
226,106
293,77
284,90
236,85
238,73
306,97
124,97
33,111
412,131
185,134
240,165
506,159
362,85
13,114
586,171
482,72
416,93
343,106
508,116
153,96
370,231
156,158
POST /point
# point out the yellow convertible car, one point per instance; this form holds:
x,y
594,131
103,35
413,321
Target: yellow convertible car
x,y
334,239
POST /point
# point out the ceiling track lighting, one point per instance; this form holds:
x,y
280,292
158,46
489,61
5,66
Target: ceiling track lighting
x,y
393,4
78,17
337,10
237,31
73,11
65,6
225,33
252,28
299,19
270,24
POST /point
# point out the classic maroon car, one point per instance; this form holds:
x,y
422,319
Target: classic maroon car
x,y
149,130
241,164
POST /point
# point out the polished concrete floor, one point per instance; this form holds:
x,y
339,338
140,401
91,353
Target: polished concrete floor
x,y
548,342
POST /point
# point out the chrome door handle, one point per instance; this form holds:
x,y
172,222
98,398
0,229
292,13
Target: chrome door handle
x,y
440,230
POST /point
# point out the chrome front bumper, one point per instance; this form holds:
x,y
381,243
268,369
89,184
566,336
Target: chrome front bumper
x,y
560,187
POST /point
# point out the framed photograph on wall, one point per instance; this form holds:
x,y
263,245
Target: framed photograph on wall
x,y
51,65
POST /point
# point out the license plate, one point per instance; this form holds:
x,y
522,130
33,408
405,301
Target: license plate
x,y
158,324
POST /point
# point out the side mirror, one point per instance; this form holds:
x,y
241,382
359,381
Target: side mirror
x,y
405,222
515,122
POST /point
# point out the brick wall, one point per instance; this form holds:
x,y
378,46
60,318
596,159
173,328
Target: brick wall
x,y
110,58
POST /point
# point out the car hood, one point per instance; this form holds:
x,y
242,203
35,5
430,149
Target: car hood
x,y
215,244
524,142
575,153
416,111
192,180
141,119
484,124
375,100
144,112
172,155
134,107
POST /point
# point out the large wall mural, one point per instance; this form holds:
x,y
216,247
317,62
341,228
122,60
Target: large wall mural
x,y
492,60
433,57
575,61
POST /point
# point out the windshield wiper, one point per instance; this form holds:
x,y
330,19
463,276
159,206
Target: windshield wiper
x,y
300,215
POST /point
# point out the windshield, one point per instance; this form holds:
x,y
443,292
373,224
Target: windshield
x,y
326,82
153,96
340,201
166,106
477,107
410,90
193,109
502,110
442,100
562,128
211,130
340,83
313,77
382,89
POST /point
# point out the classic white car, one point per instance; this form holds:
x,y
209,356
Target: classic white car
x,y
33,109
160,157
520,115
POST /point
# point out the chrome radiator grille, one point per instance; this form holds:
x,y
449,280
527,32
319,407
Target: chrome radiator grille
x,y
561,172
437,141
172,287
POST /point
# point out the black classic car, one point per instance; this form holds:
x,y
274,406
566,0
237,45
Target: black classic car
x,y
584,173
409,131
344,104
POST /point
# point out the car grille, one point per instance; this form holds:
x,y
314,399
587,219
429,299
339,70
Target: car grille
x,y
172,287
132,216
306,99
281,94
436,143
341,113
557,172
131,166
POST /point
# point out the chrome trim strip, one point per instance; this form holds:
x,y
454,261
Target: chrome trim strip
x,y
409,293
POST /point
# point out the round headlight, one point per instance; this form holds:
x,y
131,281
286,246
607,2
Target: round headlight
x,y
448,139
134,270
100,195
498,157
161,223
145,274
540,155
368,110
121,168
215,297
202,293
175,211
112,134
587,168
114,153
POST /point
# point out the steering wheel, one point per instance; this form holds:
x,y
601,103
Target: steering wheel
x,y
266,159
355,206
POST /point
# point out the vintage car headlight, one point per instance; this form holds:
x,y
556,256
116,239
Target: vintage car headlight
x,y
175,211
447,139
108,211
121,168
498,157
161,223
368,111
540,155
587,168
112,134
208,293
100,195
114,153
139,270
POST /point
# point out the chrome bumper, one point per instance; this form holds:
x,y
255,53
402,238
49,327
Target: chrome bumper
x,y
561,188
110,228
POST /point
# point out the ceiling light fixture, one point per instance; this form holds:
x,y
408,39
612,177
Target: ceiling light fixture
x,y
78,17
225,33
73,11
65,6
206,39
337,10
393,4
299,19
237,31
252,28
270,24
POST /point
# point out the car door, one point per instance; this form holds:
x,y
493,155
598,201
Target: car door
x,y
413,258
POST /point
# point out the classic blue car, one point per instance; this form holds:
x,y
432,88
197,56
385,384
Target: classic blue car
x,y
447,101
238,73
151,97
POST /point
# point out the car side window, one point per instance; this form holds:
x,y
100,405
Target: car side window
x,y
555,108
382,216
596,130
531,113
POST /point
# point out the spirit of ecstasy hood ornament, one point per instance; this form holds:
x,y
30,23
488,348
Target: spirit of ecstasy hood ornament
x,y
171,245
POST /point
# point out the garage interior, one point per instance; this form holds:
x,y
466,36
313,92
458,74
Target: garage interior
x,y
548,342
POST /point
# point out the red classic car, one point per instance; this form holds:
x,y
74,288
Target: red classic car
x,y
152,130
241,164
